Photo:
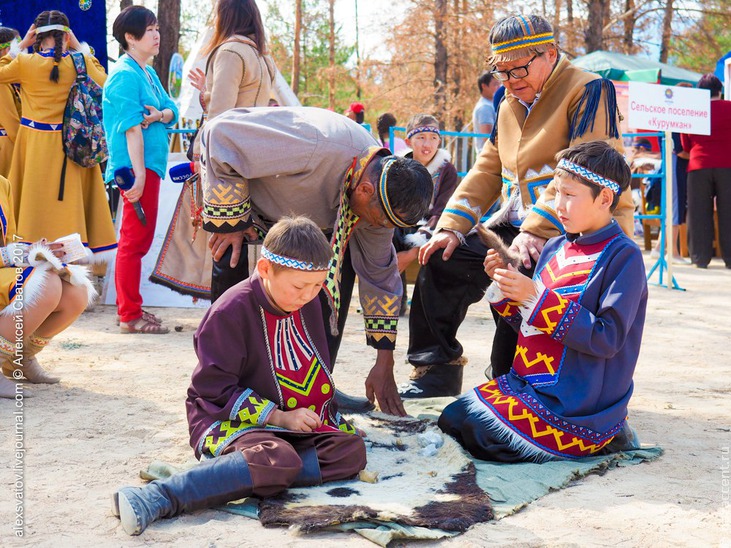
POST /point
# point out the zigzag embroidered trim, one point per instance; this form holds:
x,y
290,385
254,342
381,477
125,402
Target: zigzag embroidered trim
x,y
290,262
589,175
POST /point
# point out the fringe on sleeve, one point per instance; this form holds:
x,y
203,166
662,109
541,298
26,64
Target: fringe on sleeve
x,y
589,104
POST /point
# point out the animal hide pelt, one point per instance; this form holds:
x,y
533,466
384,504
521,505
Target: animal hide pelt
x,y
423,479
493,241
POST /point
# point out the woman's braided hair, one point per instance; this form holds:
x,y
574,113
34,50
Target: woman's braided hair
x,y
51,17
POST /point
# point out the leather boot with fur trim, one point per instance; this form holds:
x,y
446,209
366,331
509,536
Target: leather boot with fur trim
x,y
31,369
434,381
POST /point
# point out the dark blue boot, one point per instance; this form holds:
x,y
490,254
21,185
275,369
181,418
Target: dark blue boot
x,y
310,474
352,404
438,381
211,483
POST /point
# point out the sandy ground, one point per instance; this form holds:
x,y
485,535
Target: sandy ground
x,y
120,406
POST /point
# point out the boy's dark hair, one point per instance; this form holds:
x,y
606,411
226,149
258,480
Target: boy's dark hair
x,y
410,187
51,17
7,34
133,20
711,82
484,80
384,123
602,159
421,120
301,239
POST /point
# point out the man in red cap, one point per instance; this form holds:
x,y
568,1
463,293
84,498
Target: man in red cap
x,y
356,112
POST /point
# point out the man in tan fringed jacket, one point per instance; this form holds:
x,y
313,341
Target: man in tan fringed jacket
x,y
549,105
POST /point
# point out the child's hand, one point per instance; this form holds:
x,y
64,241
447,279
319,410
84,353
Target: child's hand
x,y
493,261
297,420
514,285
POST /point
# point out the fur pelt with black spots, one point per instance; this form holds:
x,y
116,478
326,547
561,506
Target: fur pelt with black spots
x,y
415,484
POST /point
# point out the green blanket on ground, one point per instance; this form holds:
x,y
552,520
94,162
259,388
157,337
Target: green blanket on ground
x,y
509,486
513,486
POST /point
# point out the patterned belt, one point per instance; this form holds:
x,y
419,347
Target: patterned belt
x,y
41,126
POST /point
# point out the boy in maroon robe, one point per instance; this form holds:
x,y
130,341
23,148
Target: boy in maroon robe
x,y
260,406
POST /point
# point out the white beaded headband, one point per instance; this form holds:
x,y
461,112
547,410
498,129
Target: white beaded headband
x,y
289,262
423,129
589,175
48,28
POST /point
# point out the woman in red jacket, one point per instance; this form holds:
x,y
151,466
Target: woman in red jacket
x,y
709,178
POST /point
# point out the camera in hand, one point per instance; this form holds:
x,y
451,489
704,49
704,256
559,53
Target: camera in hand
x,y
124,178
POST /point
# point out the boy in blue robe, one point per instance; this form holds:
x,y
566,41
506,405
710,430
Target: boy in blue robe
x,y
579,322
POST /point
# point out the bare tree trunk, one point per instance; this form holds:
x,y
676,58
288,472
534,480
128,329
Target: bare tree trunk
x,y
123,4
357,53
331,71
296,48
571,34
594,35
629,27
440,59
557,20
667,22
168,17
456,43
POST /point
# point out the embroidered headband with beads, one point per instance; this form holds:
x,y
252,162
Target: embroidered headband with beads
x,y
289,262
383,196
523,42
48,28
423,129
589,175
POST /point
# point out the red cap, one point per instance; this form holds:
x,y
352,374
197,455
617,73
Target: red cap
x,y
356,107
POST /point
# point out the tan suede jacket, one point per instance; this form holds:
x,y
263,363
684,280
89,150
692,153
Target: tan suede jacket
x,y
575,106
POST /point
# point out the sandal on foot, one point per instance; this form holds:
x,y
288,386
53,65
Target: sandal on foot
x,y
147,316
143,327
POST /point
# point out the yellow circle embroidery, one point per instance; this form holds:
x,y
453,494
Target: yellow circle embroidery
x,y
311,408
325,388
291,403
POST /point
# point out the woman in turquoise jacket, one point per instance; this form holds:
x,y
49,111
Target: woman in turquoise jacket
x,y
137,113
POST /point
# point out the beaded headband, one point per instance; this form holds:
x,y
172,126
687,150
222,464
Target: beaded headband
x,y
48,28
383,196
290,262
523,42
589,175
423,129
5,44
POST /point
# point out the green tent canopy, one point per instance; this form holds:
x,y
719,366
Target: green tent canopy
x,y
624,68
